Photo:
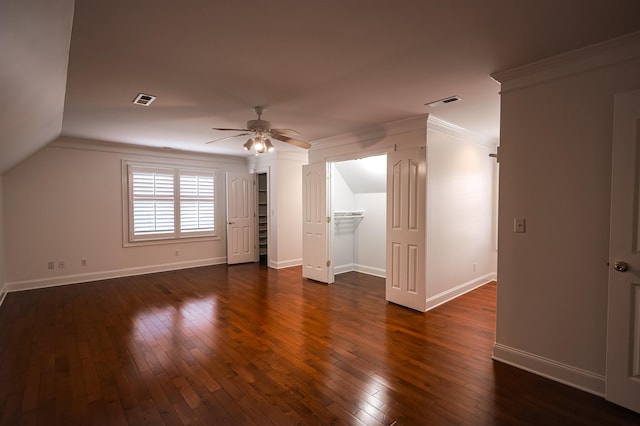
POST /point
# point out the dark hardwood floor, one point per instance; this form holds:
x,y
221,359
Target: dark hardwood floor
x,y
250,345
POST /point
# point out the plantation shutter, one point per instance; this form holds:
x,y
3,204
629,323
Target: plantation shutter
x,y
196,203
152,203
166,202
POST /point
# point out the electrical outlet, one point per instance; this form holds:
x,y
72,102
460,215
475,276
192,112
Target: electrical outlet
x,y
61,264
83,262
51,265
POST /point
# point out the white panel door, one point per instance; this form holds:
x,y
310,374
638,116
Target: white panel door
x,y
315,243
623,329
406,239
241,221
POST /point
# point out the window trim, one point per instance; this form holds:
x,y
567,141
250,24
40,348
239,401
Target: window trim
x,y
176,236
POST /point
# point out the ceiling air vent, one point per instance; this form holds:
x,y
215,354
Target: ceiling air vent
x,y
144,100
448,100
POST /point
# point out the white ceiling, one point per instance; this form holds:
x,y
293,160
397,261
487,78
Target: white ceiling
x,y
323,68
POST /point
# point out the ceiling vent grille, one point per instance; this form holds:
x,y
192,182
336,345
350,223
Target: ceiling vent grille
x,y
144,100
448,100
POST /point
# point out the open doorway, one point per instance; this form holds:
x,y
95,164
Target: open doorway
x,y
358,207
449,192
262,216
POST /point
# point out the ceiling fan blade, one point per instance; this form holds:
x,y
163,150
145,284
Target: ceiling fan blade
x,y
286,131
291,141
230,130
228,137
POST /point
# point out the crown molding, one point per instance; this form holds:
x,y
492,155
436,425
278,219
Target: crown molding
x,y
439,125
130,149
609,52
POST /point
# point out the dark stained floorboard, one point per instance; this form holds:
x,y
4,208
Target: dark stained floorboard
x,y
248,345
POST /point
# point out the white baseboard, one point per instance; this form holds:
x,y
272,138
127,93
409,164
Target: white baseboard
x,y
378,272
341,269
557,371
285,263
459,290
354,267
104,275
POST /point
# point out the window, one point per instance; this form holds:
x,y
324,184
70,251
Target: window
x,y
169,203
196,202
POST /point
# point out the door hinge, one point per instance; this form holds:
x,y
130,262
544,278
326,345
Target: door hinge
x,y
328,263
328,219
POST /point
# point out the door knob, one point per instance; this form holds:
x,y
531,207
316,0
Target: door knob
x,y
621,266
231,223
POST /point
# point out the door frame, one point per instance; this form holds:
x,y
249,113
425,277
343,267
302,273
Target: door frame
x,y
267,171
421,280
330,193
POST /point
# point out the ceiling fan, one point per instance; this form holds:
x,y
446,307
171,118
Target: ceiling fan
x,y
259,132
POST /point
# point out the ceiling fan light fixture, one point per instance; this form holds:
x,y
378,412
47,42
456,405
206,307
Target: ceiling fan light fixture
x,y
260,131
248,144
259,145
269,145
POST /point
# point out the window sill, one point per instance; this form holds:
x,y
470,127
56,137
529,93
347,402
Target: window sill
x,y
163,241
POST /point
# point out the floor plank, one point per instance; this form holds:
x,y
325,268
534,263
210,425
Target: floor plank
x,y
245,344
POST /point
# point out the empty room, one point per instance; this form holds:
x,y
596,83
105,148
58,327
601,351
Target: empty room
x,y
340,212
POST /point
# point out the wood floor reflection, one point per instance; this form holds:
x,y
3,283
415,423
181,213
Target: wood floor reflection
x,y
250,345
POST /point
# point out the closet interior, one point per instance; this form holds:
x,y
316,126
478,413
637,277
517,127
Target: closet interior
x,y
263,215
359,206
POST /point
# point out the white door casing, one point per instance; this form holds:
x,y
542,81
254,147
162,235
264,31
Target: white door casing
x,y
406,228
623,327
241,227
315,244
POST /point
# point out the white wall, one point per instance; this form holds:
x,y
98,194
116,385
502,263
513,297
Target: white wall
x,y
342,240
358,244
370,254
555,168
460,209
289,209
2,251
65,203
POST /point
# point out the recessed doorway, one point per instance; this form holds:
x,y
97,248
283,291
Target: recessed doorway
x,y
358,206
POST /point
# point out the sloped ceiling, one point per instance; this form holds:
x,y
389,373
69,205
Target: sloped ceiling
x,y
34,49
322,68
366,175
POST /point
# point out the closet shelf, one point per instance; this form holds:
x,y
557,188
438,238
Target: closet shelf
x,y
351,215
